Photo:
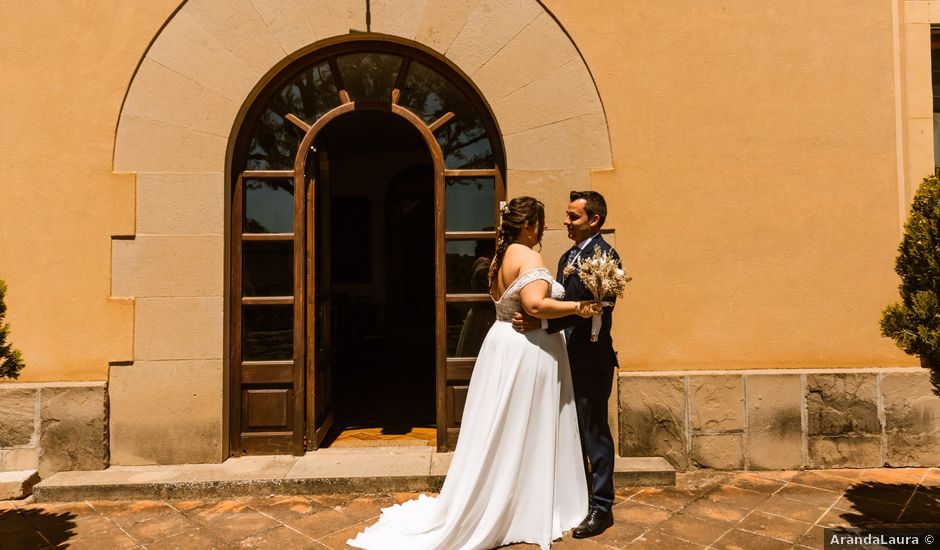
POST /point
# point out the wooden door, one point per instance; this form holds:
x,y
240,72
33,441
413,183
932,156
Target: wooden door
x,y
469,202
280,329
267,305
319,302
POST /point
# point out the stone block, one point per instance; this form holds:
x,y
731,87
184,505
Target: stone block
x,y
488,29
718,451
178,328
643,471
151,146
288,21
579,143
916,12
842,404
181,204
364,463
920,151
215,67
717,403
336,17
554,243
20,458
239,27
166,96
168,265
398,17
443,21
17,415
774,422
154,421
74,427
849,451
567,92
912,419
550,187
17,484
541,48
652,418
918,85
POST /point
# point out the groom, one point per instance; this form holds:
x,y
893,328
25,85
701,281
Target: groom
x,y
593,364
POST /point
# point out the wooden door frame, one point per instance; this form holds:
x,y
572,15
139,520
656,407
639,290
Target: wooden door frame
x,y
302,410
300,161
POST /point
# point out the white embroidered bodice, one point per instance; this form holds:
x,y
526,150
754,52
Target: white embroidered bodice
x,y
510,302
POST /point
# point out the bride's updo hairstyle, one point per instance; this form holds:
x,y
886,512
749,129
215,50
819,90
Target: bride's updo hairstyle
x,y
519,213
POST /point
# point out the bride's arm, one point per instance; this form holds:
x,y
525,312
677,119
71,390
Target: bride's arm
x,y
536,296
536,302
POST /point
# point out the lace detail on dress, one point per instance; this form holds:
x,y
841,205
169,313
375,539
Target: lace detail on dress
x,y
510,302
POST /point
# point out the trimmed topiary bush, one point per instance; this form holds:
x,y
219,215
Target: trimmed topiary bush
x,y
11,361
914,322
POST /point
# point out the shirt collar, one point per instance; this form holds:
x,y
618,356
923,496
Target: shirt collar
x,y
583,244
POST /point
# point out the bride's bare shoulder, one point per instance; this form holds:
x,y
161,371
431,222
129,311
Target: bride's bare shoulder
x,y
520,258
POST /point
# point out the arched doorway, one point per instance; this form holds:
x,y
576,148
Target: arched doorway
x,y
366,181
374,275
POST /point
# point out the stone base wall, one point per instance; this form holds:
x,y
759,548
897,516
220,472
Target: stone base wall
x,y
52,427
781,419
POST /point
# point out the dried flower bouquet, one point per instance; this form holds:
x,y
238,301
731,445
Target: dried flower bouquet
x,y
602,275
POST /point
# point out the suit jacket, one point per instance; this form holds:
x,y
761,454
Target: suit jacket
x,y
583,354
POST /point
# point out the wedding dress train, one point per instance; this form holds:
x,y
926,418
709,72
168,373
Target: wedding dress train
x,y
517,473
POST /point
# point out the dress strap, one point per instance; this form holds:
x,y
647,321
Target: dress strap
x,y
532,275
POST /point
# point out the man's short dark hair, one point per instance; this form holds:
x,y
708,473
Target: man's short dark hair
x,y
595,204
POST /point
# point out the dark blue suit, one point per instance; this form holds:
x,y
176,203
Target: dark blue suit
x,y
593,365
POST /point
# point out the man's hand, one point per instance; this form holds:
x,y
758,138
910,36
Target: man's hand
x,y
523,322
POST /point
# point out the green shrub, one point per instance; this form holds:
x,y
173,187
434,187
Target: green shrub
x,y
11,361
914,322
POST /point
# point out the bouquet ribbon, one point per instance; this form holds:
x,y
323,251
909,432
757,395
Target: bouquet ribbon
x,y
596,322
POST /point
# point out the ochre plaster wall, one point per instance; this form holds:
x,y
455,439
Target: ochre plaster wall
x,y
753,192
64,70
755,185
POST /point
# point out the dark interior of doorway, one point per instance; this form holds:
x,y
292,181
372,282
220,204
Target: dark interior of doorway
x,y
381,264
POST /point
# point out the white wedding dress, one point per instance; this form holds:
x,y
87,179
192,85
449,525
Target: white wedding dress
x,y
517,473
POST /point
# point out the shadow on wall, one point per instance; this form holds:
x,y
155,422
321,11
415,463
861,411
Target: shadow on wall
x,y
34,527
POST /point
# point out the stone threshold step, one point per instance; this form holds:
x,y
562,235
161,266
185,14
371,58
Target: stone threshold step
x,y
365,470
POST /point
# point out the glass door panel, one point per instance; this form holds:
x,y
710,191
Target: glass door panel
x,y
470,204
369,76
268,268
310,94
269,206
468,265
465,143
268,332
467,325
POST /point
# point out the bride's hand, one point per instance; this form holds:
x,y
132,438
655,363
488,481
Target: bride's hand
x,y
587,308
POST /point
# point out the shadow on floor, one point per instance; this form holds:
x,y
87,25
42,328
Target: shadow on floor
x,y
904,503
35,528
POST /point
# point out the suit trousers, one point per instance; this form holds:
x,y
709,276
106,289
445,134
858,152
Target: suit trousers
x,y
591,392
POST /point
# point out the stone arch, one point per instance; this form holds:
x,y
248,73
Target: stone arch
x,y
202,67
176,127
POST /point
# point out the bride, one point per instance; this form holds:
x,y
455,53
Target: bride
x,y
517,473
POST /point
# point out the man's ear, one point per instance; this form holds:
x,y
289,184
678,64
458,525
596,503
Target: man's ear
x,y
595,220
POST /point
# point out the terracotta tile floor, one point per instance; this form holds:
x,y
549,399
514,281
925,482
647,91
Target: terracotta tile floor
x,y
375,437
743,510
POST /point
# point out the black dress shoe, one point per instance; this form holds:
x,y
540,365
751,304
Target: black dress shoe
x,y
594,524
